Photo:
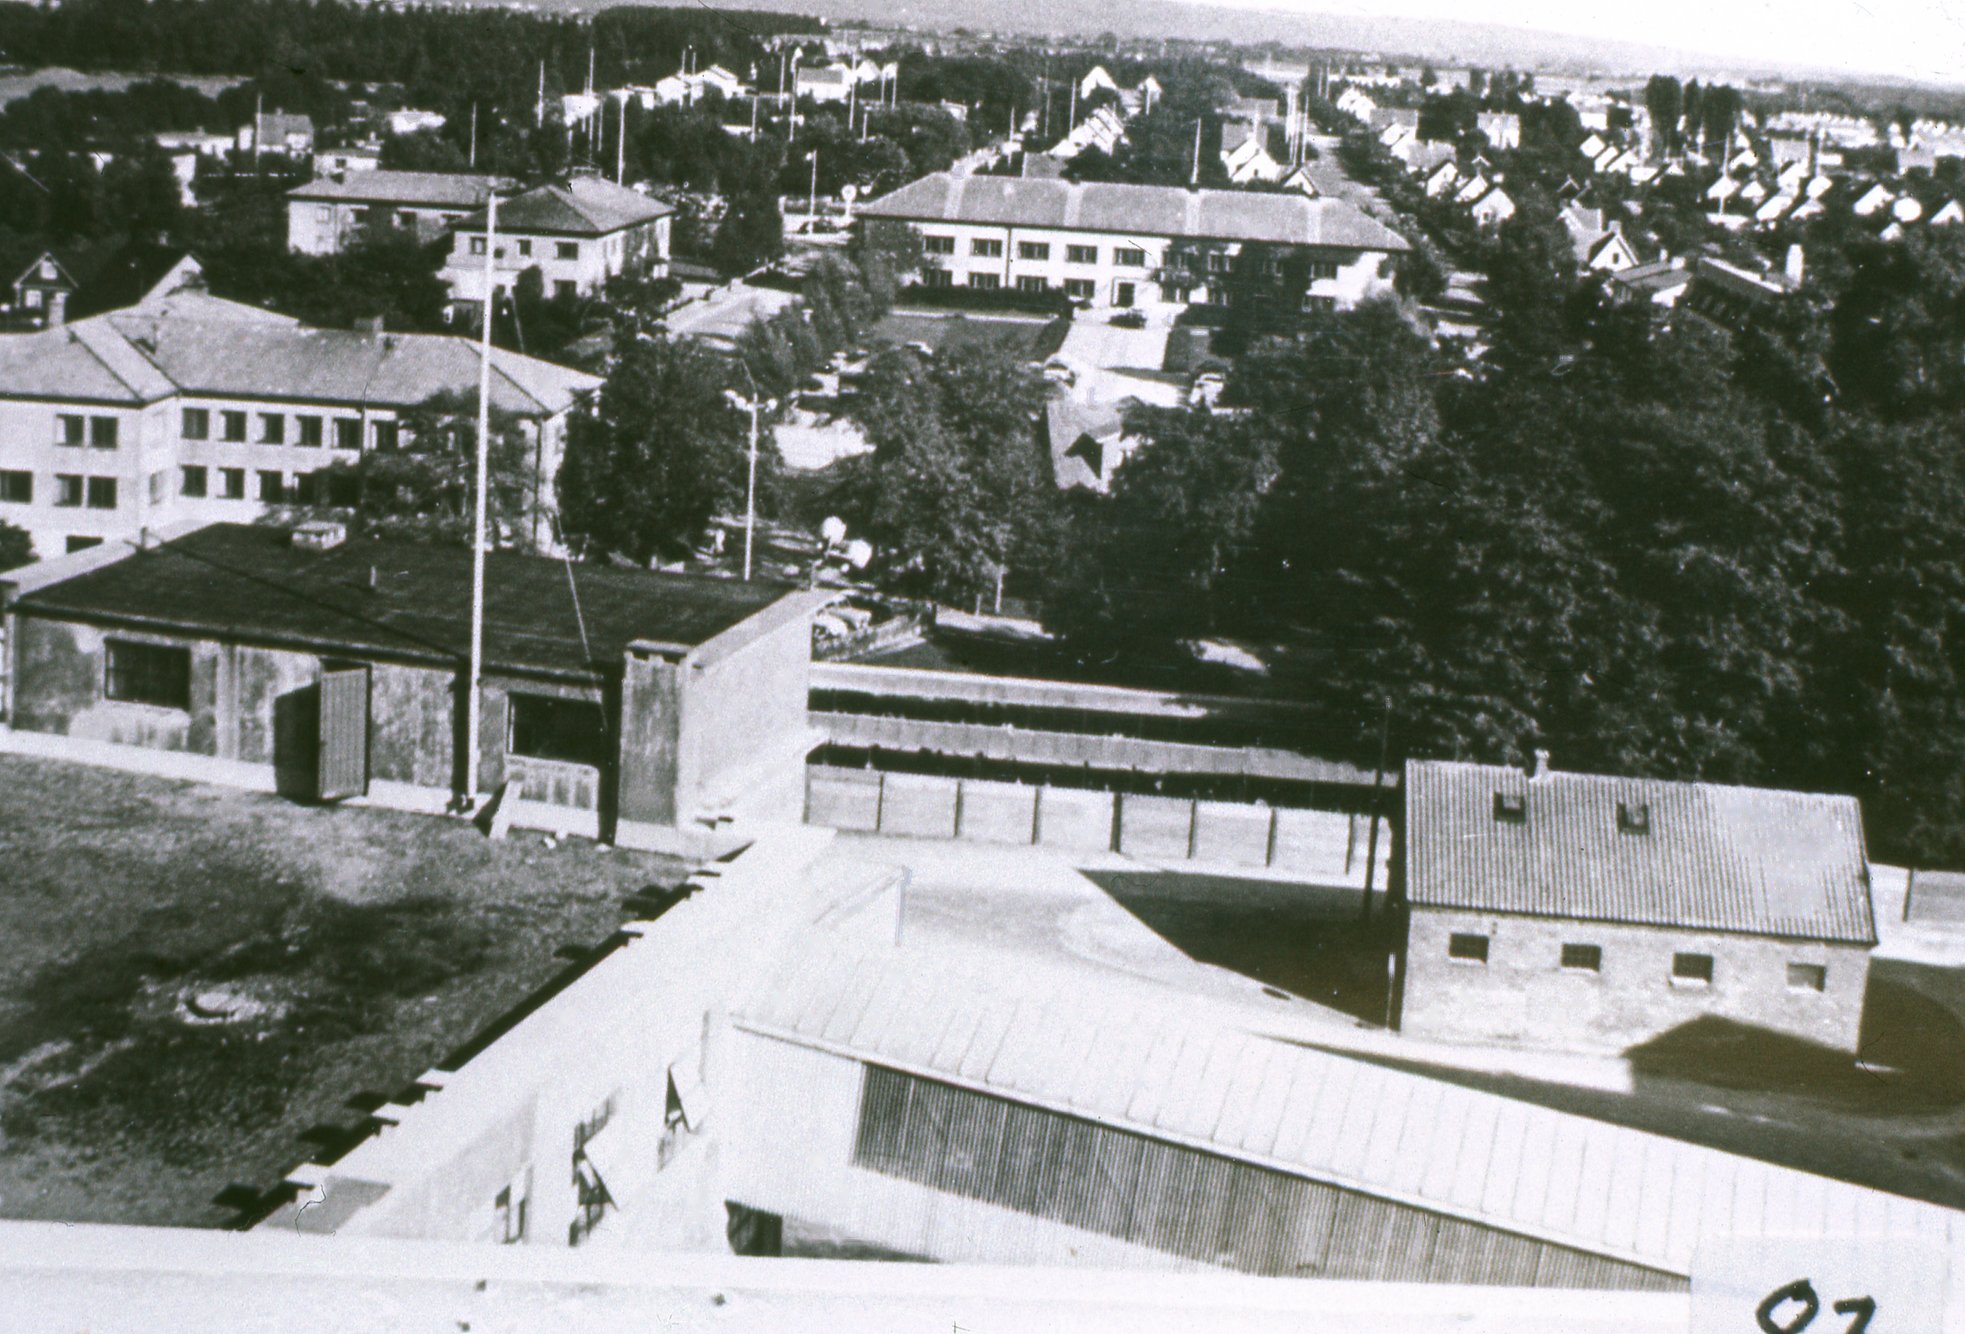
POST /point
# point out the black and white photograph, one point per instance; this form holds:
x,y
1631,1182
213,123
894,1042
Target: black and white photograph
x,y
975,666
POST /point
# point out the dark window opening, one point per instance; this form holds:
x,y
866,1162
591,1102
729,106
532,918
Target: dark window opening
x,y
196,480
1808,977
232,426
1583,958
158,674
545,727
1633,817
1467,946
1510,808
1694,970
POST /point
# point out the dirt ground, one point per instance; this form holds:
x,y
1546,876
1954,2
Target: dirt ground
x,y
200,987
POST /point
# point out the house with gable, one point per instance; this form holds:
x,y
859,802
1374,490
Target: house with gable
x,y
578,234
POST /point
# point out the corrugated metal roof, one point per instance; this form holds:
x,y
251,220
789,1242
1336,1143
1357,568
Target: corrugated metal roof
x,y
1137,210
1170,1066
1715,857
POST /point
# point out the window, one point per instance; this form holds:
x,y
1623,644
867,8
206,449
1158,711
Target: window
x,y
1467,947
937,278
1808,977
17,487
1081,254
1692,970
159,487
232,483
1033,250
308,488
102,493
1510,808
1583,958
985,281
387,435
1633,817
103,432
272,487
510,1208
567,250
1082,289
347,433
546,727
69,430
565,289
158,674
193,481
1220,263
1129,257
525,249
986,249
324,213
477,245
1030,283
272,428
1322,270
196,424
76,543
310,431
232,426
938,245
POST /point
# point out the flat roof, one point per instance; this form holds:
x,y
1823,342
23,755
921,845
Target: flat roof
x,y
242,582
1708,856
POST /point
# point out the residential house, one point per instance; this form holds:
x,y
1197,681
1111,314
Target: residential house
x,y
617,702
1950,214
1659,283
1493,208
1102,130
1581,911
1502,128
345,161
1754,191
823,83
1086,441
1906,209
1097,79
1610,253
1593,147
1873,200
1774,209
1731,297
1722,190
1303,180
188,408
1122,245
1245,154
577,234
1443,180
1356,103
278,132
324,215
77,282
1471,189
1808,208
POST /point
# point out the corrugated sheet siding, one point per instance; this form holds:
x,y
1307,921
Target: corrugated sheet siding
x,y
1199,1206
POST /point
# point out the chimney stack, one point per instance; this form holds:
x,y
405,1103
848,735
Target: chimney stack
x,y
1541,769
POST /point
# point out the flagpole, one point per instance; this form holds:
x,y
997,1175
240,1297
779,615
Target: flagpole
x,y
472,708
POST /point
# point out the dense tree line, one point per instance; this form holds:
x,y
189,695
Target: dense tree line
x,y
1678,550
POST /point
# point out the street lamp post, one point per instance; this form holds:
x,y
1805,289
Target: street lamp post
x,y
751,405
812,207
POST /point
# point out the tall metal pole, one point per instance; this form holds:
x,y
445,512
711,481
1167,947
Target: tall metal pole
x,y
750,492
812,208
472,718
621,146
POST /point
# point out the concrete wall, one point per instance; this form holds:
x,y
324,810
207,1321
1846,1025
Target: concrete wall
x,y
1323,846
1522,994
602,1048
743,729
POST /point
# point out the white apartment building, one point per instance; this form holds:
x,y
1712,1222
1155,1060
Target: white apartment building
x,y
187,407
578,235
325,214
1126,245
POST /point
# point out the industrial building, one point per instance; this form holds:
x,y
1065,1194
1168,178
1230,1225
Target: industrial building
x,y
1579,910
622,703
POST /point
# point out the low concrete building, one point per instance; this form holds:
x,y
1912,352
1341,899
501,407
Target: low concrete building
x,y
1125,245
624,704
1581,911
324,215
577,234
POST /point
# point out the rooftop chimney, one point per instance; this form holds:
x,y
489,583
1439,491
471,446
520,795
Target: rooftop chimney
x,y
1541,769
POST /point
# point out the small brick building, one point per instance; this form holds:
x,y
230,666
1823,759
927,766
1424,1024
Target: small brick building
x,y
625,702
1578,911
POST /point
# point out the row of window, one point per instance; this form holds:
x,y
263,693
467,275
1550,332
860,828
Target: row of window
x,y
270,486
308,429
1688,969
75,431
75,491
983,247
561,249
385,217
1083,289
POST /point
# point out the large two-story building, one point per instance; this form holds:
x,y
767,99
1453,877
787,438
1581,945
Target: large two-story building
x,y
1127,245
578,235
324,215
187,407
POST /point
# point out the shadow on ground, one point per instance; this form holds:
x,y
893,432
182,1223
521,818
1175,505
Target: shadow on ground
x,y
1302,939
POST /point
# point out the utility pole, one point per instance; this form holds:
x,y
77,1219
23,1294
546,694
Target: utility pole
x,y
474,134
751,405
1196,179
473,720
539,107
621,146
1377,782
812,208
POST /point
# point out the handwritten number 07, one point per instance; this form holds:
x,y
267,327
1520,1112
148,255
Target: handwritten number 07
x,y
1860,1310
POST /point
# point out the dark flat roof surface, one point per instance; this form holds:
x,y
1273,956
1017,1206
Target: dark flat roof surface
x,y
241,582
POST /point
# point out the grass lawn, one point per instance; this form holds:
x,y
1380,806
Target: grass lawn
x,y
199,985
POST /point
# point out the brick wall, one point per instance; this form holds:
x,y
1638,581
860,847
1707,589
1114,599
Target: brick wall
x,y
1523,994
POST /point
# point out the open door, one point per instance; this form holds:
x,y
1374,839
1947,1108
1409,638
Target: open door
x,y
344,732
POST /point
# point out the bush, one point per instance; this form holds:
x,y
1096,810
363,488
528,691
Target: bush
x,y
986,299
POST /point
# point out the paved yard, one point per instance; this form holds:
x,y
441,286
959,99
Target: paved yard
x,y
197,981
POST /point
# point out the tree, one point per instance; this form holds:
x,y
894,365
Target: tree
x,y
426,150
886,253
1665,100
423,490
140,190
664,454
751,234
16,547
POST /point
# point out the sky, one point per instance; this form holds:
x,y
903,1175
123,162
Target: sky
x,y
1914,39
